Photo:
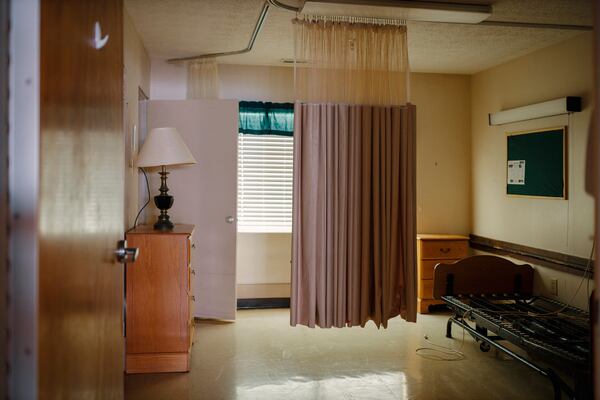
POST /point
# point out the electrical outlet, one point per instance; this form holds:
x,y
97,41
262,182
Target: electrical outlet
x,y
554,286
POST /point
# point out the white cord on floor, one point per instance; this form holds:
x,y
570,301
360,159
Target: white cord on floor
x,y
441,353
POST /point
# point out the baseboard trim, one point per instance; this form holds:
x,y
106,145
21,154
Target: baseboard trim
x,y
546,258
279,302
263,290
145,363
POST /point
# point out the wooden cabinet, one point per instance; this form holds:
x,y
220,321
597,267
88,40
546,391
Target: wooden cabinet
x,y
431,250
159,312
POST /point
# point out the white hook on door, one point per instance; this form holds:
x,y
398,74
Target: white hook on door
x,y
99,41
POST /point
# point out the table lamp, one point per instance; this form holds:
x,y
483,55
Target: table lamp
x,y
162,147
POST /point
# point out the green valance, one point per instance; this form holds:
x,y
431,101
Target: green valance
x,y
264,118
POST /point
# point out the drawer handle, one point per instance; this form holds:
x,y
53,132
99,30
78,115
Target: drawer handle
x,y
193,298
193,271
445,250
193,245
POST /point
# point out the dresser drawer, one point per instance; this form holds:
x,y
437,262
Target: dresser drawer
x,y
443,249
426,289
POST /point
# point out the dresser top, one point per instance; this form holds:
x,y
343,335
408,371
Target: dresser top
x,y
179,229
439,236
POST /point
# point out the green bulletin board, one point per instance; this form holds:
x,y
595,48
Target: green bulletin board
x,y
536,163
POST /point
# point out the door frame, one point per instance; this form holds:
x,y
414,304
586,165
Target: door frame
x,y
596,176
4,26
23,180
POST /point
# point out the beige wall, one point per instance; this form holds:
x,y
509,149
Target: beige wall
x,y
443,133
270,254
263,265
239,82
565,226
443,150
246,82
137,75
168,81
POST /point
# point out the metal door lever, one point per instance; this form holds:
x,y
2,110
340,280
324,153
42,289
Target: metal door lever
x,y
126,254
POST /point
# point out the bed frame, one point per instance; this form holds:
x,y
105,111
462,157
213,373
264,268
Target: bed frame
x,y
496,296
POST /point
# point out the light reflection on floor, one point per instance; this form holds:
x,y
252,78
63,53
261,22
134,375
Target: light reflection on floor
x,y
369,386
261,357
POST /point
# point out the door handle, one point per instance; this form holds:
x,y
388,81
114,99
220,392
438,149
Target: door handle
x,y
230,219
126,254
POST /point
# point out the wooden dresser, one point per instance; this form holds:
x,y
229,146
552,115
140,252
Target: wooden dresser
x,y
159,320
433,249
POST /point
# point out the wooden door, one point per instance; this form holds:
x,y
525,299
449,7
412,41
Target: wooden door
x,y
81,211
205,195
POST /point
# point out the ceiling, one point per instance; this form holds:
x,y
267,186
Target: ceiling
x,y
180,28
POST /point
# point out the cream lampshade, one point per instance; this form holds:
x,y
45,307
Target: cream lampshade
x,y
162,147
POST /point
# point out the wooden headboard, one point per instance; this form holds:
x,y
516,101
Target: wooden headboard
x,y
482,275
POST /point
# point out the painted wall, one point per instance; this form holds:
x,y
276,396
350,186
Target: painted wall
x,y
239,82
443,150
136,76
263,265
443,143
565,226
168,81
247,82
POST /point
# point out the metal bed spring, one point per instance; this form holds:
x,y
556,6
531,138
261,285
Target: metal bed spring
x,y
552,331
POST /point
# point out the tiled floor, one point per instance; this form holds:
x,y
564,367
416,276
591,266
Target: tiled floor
x,y
261,357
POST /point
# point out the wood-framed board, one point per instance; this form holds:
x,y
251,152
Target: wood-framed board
x,y
537,162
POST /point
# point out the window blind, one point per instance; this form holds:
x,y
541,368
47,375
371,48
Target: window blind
x,y
265,183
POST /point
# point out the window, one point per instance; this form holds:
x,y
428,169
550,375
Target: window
x,y
265,167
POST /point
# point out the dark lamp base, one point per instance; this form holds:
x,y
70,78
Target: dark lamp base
x,y
163,224
163,202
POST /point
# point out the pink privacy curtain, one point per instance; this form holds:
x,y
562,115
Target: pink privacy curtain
x,y
354,229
